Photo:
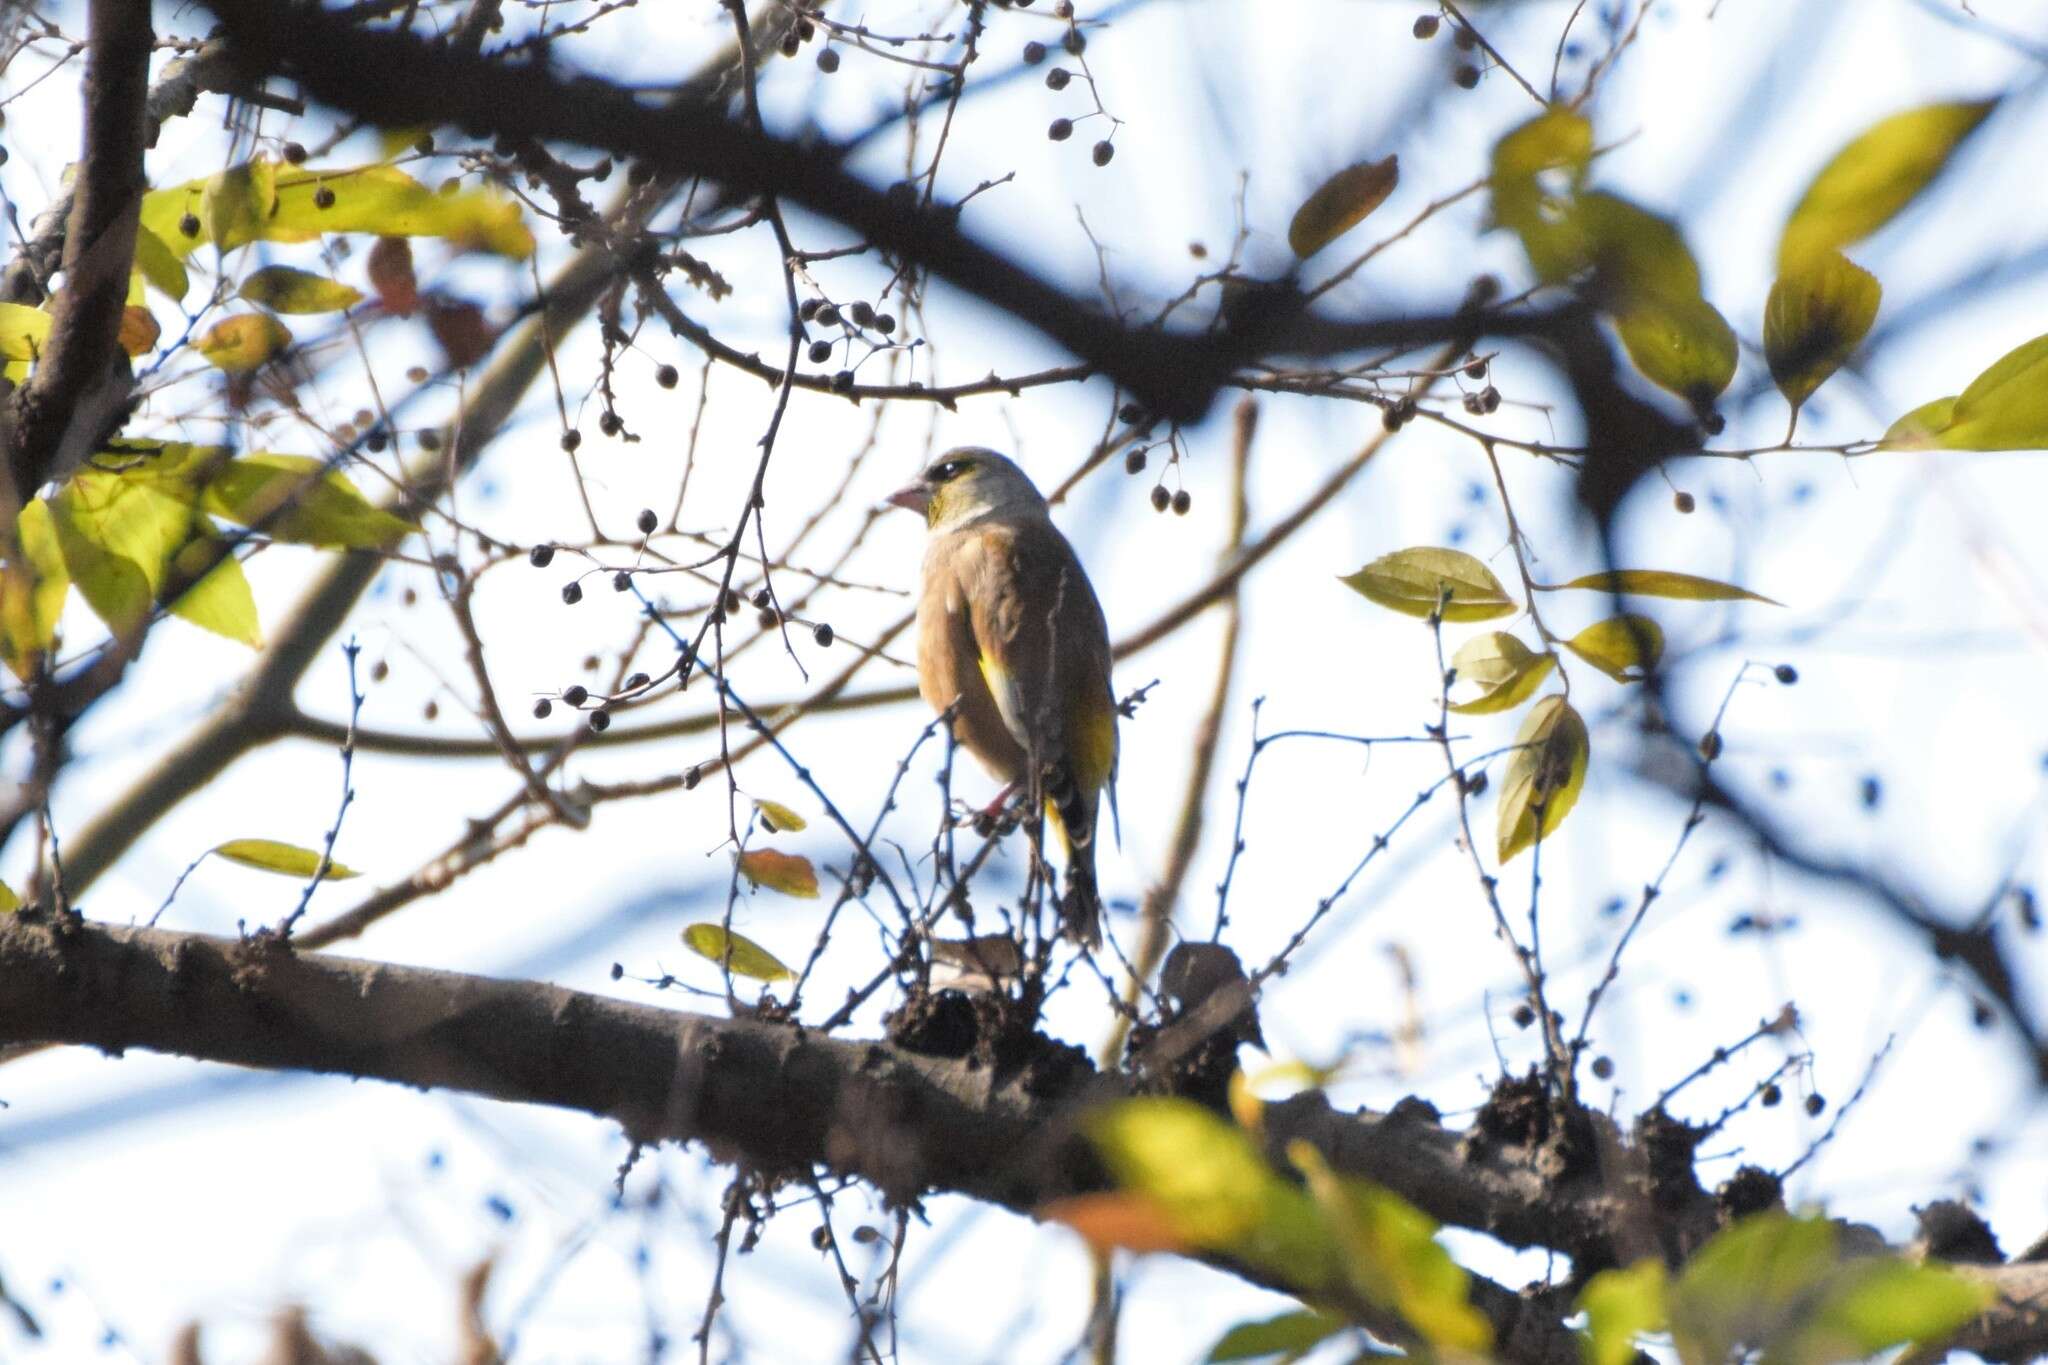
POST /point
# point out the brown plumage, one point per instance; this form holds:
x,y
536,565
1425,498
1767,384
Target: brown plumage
x,y
1009,630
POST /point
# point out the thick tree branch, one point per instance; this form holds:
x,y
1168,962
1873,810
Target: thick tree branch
x,y
776,1097
80,383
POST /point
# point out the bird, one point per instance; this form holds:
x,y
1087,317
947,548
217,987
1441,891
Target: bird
x,y
1010,634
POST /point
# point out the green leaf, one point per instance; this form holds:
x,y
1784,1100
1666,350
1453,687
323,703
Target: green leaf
x,y
1392,1258
1661,583
740,954
1818,313
1557,140
285,290
1506,671
1877,1303
1341,203
1621,1305
220,601
32,592
789,873
2004,408
241,343
289,860
1681,345
297,499
160,265
9,902
1415,581
1215,1187
778,817
1290,1335
23,330
1869,181
1626,648
1544,776
1918,429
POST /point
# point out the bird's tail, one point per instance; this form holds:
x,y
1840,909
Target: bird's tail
x,y
1074,812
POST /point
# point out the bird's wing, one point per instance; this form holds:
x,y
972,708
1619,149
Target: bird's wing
x,y
1044,647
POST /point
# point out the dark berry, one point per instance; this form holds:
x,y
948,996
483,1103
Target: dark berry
x,y
1476,370
885,323
861,314
1134,463
1814,1104
600,720
572,593
295,153
379,671
542,709
540,556
1786,674
762,599
666,376
189,225
1603,1067
429,439
1771,1096
424,144
431,711
1034,53
1160,497
575,694
1684,502
1524,1016
1057,78
1061,129
572,439
1710,745
1182,502
822,633
821,351
827,315
1425,26
691,778
843,382
1466,76
808,309
637,681
828,60
1104,152
791,44
1075,42
323,198
610,424
1465,38
648,521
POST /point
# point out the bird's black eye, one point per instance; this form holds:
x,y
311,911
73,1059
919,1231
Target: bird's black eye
x,y
951,469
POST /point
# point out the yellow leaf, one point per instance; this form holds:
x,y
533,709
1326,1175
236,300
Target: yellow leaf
x,y
1918,429
1341,203
789,873
23,330
1661,583
778,817
297,499
2004,408
1416,581
9,902
1621,1305
1866,183
285,290
1818,313
220,601
1544,776
32,592
1506,671
1682,345
241,343
159,264
740,954
1626,648
117,535
139,330
1554,140
268,855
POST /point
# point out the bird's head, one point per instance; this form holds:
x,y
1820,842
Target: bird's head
x,y
965,484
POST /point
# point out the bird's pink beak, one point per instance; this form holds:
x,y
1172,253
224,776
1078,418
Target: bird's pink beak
x,y
915,496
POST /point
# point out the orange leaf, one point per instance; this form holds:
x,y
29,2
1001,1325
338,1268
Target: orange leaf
x,y
460,328
139,330
1134,1222
789,873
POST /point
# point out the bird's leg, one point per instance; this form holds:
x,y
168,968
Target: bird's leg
x,y
995,815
